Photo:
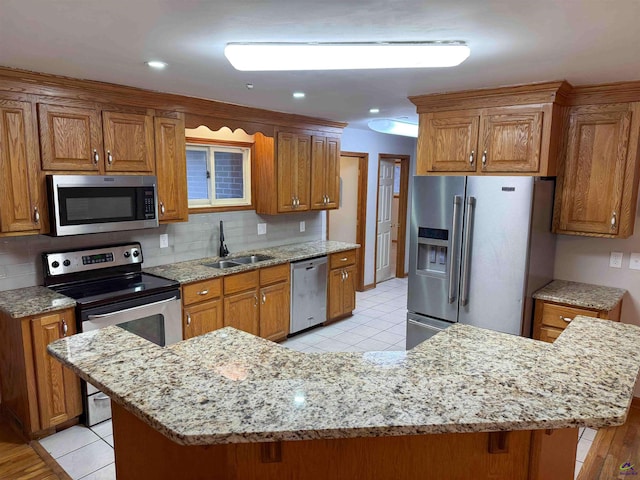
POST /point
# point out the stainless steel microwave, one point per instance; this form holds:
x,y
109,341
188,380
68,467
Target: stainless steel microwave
x,y
81,204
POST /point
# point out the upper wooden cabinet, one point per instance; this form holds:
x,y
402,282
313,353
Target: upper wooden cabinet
x,y
19,170
85,139
597,187
511,130
297,172
171,169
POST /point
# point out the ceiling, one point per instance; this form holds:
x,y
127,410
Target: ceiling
x,y
512,41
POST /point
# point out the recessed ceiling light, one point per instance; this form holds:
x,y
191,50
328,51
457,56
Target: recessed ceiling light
x,y
344,56
394,127
298,95
374,110
157,64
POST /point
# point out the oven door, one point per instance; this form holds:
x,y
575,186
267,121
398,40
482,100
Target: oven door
x,y
158,318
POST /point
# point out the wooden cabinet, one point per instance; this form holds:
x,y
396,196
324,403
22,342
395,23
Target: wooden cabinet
x,y
38,393
325,172
85,139
598,183
342,288
202,307
297,172
275,304
550,318
241,305
508,130
493,140
19,170
171,169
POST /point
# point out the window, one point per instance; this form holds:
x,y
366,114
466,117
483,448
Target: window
x,y
218,175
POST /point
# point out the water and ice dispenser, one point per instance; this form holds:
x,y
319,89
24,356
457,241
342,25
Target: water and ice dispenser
x,y
433,250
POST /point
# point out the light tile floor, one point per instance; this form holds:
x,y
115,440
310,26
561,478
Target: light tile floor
x,y
378,323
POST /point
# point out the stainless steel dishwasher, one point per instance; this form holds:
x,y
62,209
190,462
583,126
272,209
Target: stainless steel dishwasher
x,y
308,293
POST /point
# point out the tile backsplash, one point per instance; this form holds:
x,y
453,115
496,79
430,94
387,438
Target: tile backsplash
x,y
21,265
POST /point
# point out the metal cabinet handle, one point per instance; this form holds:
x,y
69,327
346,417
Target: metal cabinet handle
x,y
255,299
457,201
614,220
96,156
346,275
343,259
264,298
36,215
484,158
109,157
466,254
188,319
297,202
203,292
65,328
471,157
343,275
161,208
566,319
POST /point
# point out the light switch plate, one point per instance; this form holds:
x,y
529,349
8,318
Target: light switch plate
x,y
164,240
634,261
615,260
302,226
262,229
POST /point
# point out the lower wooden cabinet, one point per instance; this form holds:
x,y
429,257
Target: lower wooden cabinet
x,y
38,393
550,319
275,310
241,311
202,307
342,285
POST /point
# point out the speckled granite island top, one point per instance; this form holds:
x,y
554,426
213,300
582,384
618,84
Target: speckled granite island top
x,y
194,270
580,294
228,386
25,302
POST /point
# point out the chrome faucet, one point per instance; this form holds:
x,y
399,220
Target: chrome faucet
x,y
224,251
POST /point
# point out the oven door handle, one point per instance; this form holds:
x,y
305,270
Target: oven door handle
x,y
146,305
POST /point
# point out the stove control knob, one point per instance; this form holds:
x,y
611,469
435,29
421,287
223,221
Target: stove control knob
x,y
66,263
127,254
136,253
55,264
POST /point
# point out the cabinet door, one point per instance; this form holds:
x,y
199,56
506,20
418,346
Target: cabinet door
x,y
318,172
302,172
58,387
171,169
241,311
202,318
286,160
451,142
19,196
510,140
336,293
349,290
128,142
70,138
274,311
592,186
332,172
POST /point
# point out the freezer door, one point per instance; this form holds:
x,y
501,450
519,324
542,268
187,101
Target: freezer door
x,y
421,328
435,243
495,252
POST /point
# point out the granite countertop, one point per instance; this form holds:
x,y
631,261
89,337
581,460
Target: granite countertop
x,y
581,294
195,270
28,301
228,386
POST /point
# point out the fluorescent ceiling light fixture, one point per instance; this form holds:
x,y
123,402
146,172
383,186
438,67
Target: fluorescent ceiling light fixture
x,y
344,56
374,110
394,127
156,64
298,95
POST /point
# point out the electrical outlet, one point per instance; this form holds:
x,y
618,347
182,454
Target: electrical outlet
x,y
302,226
164,240
615,260
634,261
262,229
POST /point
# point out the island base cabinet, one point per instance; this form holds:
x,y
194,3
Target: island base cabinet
x,y
142,452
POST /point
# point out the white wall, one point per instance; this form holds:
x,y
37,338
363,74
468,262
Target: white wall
x,y
341,221
373,143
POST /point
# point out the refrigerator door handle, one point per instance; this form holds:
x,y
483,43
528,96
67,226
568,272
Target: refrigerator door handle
x,y
466,253
457,201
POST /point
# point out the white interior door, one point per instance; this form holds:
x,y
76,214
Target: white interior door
x,y
384,271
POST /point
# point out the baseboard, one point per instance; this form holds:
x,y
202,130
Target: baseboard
x,y
371,286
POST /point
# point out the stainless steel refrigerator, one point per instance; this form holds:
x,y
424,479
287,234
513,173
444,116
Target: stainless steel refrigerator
x,y
479,247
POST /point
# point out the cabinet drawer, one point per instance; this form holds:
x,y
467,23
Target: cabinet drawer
x,y
549,334
342,259
241,282
201,291
555,315
279,273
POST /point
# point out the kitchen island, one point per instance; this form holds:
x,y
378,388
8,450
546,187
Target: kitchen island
x,y
468,403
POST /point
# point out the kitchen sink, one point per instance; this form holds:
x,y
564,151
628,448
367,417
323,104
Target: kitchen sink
x,y
251,259
223,264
